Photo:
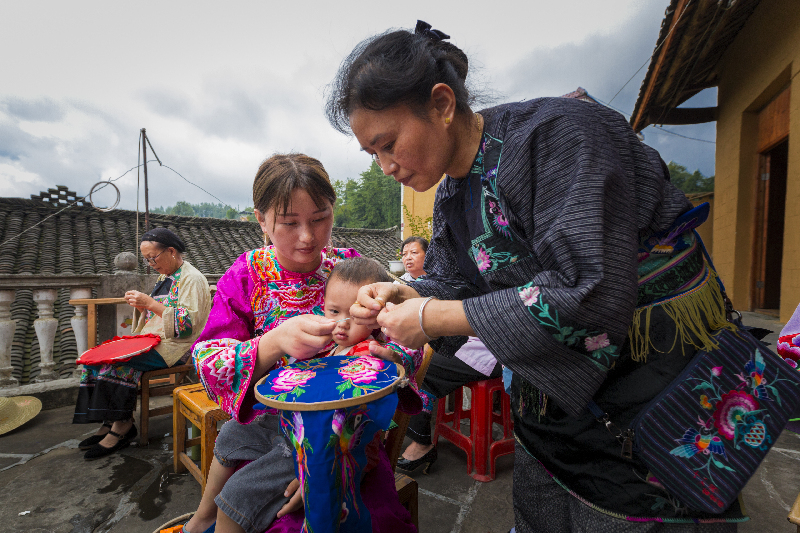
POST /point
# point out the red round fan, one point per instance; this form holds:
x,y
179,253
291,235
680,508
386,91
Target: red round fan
x,y
118,349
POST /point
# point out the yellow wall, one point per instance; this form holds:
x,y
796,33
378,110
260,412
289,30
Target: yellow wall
x,y
419,204
760,62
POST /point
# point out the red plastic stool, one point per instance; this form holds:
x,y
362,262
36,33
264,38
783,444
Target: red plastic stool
x,y
481,417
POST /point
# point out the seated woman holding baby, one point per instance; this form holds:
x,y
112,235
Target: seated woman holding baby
x,y
267,312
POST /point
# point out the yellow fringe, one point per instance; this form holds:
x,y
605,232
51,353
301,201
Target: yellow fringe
x,y
687,312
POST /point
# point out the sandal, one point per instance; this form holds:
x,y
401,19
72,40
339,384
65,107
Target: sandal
x,y
98,450
87,443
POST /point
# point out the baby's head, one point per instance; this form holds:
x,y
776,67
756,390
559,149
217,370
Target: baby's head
x,y
341,291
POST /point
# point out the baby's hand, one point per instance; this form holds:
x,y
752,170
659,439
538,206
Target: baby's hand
x,y
379,350
295,494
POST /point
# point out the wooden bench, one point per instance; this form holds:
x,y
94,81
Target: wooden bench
x,y
191,403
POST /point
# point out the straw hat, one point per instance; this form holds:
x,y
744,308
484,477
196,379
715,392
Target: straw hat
x,y
17,410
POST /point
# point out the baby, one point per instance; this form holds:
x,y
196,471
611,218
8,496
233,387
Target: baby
x,y
350,338
327,449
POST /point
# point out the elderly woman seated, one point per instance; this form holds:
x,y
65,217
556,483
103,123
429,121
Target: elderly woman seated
x,y
176,310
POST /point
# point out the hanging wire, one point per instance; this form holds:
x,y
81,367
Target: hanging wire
x,y
657,129
179,174
110,180
656,49
104,184
199,187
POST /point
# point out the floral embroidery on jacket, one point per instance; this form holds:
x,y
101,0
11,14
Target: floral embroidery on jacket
x,y
593,344
183,323
736,416
496,247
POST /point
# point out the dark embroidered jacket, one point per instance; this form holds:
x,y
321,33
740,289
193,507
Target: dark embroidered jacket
x,y
571,189
542,241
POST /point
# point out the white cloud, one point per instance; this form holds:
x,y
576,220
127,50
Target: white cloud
x,y
220,86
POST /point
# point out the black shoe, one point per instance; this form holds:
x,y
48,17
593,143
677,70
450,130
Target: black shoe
x,y
87,443
409,466
98,450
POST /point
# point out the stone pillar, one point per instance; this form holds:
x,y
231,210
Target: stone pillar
x,y
80,326
7,327
45,327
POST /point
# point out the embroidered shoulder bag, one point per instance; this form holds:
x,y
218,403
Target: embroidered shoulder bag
x,y
705,434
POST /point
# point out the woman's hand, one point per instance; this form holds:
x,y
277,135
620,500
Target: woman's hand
x,y
440,318
139,300
295,495
401,323
373,297
301,336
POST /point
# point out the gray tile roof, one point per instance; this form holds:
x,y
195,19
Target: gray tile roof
x,y
82,240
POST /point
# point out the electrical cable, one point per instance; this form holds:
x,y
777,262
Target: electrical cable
x,y
68,206
654,51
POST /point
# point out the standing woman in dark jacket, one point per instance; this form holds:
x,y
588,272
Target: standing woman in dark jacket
x,y
555,243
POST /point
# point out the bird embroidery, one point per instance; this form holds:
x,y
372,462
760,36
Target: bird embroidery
x,y
348,429
694,442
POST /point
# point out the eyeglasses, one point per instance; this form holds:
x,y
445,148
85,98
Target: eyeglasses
x,y
147,261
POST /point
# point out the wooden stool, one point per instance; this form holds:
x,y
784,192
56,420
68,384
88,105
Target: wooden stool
x,y
158,383
481,416
191,402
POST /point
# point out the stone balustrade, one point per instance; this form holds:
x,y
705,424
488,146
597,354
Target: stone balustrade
x,y
44,290
42,300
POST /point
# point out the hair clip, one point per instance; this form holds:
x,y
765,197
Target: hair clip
x,y
423,28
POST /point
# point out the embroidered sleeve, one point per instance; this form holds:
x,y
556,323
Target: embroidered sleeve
x,y
561,323
183,323
225,367
225,353
189,306
411,400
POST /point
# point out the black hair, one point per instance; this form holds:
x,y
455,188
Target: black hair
x,y
278,177
359,271
396,67
421,240
165,238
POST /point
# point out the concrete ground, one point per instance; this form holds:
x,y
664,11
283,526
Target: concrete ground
x,y
46,486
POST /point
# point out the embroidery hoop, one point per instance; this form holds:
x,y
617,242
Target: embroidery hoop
x,y
118,349
400,381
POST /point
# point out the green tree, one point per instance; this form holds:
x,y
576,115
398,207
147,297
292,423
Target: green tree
x,y
371,202
231,213
184,209
689,182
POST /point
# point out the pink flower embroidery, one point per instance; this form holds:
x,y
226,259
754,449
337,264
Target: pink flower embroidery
x,y
289,378
788,349
731,409
597,343
482,259
792,362
363,370
717,370
530,295
224,367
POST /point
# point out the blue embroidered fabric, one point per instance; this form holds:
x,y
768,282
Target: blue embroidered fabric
x,y
330,445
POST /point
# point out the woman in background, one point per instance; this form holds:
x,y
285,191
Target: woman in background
x,y
176,310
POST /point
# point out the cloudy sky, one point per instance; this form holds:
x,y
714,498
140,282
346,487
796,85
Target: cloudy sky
x,y
221,85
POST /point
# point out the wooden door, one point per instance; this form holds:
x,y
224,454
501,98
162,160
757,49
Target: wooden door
x,y
762,215
772,147
770,217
